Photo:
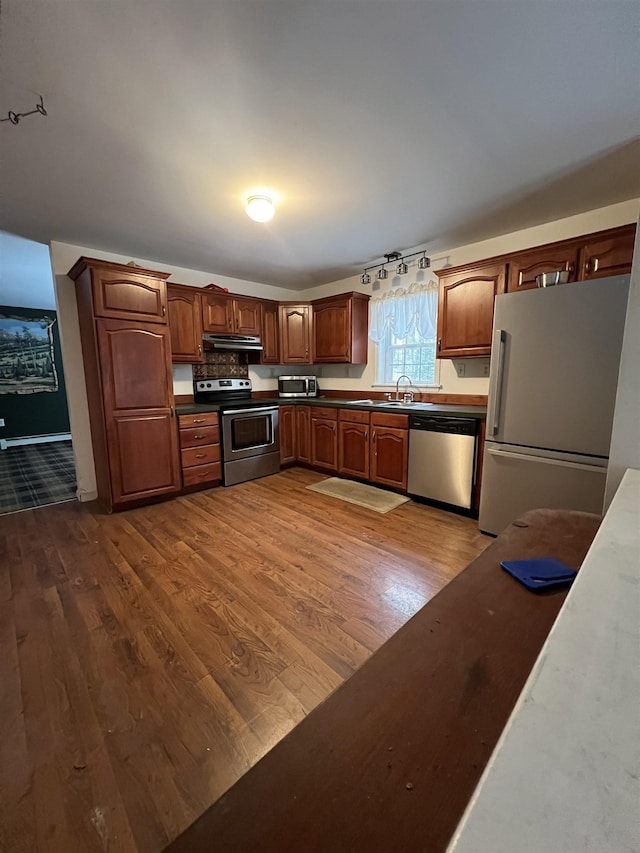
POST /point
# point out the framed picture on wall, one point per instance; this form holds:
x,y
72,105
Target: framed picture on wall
x,y
27,360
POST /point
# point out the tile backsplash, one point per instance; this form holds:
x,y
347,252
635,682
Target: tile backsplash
x,y
222,365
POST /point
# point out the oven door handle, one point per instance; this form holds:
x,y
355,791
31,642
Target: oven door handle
x,y
250,410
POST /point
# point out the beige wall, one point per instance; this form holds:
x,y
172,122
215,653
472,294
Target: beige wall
x,y
344,377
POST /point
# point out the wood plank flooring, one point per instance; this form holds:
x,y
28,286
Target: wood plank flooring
x,y
149,659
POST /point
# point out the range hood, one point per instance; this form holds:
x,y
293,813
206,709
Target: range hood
x,y
232,342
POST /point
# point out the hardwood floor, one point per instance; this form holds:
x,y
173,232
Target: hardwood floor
x,y
149,658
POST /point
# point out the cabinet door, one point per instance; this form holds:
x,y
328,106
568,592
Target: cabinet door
x,y
287,428
246,317
270,338
389,456
295,334
142,438
185,324
332,332
303,433
353,449
324,443
217,313
465,310
524,268
126,296
608,255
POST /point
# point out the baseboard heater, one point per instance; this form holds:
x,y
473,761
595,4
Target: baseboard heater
x,y
34,439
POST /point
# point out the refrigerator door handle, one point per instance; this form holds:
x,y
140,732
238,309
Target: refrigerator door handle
x,y
495,381
579,466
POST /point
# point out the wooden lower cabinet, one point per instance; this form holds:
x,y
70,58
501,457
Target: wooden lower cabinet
x,y
324,438
353,443
287,431
200,449
136,408
303,433
389,458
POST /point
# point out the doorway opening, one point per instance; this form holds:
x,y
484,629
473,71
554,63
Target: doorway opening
x,y
36,453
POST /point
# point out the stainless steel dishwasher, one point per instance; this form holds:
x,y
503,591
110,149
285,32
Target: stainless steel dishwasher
x,y
442,457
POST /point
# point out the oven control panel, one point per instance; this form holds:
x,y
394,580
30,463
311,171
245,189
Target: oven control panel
x,y
222,385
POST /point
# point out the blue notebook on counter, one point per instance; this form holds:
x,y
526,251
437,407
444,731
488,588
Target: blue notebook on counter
x,y
540,573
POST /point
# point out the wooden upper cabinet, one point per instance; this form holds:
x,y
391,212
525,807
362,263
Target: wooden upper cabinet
x,y
270,334
465,309
223,314
123,292
523,268
340,328
217,313
247,316
185,323
295,333
607,254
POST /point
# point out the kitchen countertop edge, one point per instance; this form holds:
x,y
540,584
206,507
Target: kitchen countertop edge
x,y
452,409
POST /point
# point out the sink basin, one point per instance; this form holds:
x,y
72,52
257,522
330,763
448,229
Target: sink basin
x,y
396,403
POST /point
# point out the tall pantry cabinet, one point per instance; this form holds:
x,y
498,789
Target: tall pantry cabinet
x,y
126,348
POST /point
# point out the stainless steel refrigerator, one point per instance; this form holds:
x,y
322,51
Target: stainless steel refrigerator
x,y
554,371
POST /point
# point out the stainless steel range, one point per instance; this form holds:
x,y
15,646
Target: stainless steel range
x,y
249,428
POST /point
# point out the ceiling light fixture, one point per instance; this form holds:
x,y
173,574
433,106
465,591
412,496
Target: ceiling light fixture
x,y
402,268
260,208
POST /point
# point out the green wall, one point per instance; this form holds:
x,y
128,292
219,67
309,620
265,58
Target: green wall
x,y
43,413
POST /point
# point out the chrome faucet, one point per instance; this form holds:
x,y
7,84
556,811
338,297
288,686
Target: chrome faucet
x,y
404,376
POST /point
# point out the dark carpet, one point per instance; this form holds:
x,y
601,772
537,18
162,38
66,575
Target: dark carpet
x,y
36,475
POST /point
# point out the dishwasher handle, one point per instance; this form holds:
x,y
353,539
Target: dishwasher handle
x,y
455,426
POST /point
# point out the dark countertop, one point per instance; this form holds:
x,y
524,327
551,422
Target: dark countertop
x,y
390,760
459,411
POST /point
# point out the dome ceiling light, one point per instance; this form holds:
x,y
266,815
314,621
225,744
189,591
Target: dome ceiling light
x,y
260,208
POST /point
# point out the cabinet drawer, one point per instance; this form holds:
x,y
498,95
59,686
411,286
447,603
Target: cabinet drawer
x,y
382,419
202,474
196,436
200,455
324,412
353,416
197,420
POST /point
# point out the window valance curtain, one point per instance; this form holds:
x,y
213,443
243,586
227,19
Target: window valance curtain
x,y
402,311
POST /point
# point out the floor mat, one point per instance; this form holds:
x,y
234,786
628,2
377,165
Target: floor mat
x,y
36,475
379,500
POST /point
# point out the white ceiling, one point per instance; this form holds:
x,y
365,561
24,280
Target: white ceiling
x,y
381,124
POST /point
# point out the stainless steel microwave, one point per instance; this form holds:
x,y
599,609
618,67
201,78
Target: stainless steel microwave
x,y
297,386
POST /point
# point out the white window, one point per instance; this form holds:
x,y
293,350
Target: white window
x,y
403,323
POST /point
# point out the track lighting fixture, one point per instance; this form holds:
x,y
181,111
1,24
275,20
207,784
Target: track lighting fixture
x,y
401,269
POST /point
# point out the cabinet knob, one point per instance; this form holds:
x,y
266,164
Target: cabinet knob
x,y
199,349
164,310
439,344
200,455
588,267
